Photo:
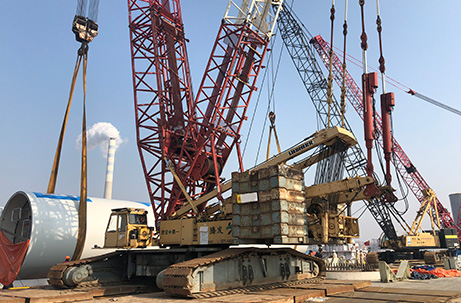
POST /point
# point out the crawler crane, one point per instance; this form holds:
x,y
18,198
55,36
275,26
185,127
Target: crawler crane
x,y
184,142
193,248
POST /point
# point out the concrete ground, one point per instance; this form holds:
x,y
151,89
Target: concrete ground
x,y
434,284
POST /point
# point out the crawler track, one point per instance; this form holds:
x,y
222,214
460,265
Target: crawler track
x,y
56,275
224,272
254,288
197,278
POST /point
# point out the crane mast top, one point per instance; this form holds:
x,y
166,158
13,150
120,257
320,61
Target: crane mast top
x,y
257,14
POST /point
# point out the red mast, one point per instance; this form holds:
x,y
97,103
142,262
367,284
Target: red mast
x,y
197,136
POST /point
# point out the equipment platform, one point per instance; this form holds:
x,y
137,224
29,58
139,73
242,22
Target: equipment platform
x,y
330,291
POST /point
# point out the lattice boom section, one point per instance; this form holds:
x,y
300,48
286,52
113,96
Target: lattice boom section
x,y
161,83
197,135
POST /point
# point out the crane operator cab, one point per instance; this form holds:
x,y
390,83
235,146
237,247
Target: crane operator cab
x,y
127,228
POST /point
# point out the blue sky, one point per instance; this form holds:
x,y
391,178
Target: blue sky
x,y
38,55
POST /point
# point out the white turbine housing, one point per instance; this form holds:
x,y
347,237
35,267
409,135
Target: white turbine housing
x,y
51,224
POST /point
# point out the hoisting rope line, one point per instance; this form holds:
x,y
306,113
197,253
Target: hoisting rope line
x,y
399,85
82,55
343,86
85,30
363,38
382,69
271,91
381,60
57,157
343,91
82,208
330,75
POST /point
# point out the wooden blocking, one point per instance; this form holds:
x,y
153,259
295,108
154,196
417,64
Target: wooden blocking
x,y
12,300
411,291
387,297
357,284
330,289
120,290
338,289
352,300
35,295
252,298
298,295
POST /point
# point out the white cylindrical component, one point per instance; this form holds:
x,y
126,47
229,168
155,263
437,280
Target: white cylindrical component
x,y
110,169
455,201
51,224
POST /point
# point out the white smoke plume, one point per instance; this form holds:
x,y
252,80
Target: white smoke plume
x,y
99,135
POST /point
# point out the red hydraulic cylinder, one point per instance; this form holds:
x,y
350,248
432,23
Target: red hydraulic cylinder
x,y
387,104
370,83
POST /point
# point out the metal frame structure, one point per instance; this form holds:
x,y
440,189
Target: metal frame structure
x,y
177,133
302,54
401,161
158,44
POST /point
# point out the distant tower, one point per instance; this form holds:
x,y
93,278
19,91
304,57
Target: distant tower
x,y
110,169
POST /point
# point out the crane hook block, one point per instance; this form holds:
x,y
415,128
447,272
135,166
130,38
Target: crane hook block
x,y
85,29
272,117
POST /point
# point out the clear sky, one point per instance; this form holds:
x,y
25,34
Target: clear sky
x,y
38,54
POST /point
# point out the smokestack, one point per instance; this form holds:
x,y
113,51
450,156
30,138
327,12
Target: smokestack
x,y
110,169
